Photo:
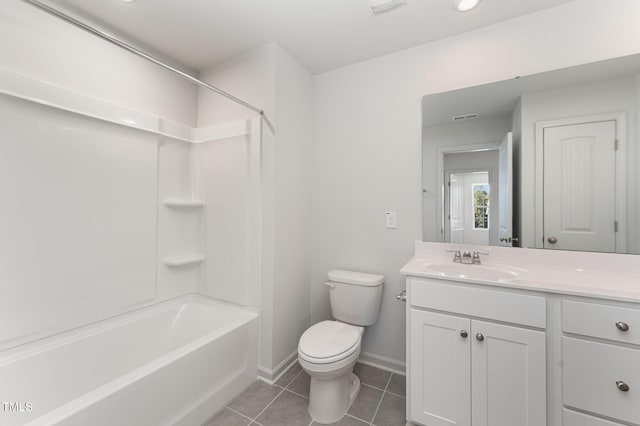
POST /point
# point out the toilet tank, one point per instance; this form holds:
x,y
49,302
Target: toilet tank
x,y
355,296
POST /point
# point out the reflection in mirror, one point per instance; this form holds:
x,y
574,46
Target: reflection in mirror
x,y
543,161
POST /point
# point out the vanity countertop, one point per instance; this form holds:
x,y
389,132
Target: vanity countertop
x,y
597,275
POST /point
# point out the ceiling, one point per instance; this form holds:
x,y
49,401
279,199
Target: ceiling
x,y
500,98
321,34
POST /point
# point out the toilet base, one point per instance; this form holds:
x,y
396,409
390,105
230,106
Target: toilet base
x,y
329,400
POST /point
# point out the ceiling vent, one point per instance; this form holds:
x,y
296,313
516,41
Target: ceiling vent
x,y
464,117
381,6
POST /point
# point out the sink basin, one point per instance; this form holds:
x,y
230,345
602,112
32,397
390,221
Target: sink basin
x,y
473,272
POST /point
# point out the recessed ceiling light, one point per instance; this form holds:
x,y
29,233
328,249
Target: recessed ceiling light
x,y
128,1
380,6
465,5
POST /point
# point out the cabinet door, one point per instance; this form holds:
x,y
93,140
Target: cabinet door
x,y
508,375
440,376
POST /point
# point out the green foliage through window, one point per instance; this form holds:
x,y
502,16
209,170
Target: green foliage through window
x,y
480,205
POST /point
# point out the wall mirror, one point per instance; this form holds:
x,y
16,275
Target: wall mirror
x,y
543,161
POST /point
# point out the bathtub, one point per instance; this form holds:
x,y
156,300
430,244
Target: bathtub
x,y
172,363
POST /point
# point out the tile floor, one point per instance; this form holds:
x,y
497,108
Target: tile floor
x,y
381,402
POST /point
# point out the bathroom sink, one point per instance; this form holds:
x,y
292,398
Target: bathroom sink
x,y
474,272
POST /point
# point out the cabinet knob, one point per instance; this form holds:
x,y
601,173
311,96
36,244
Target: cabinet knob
x,y
622,386
552,240
622,326
464,333
480,337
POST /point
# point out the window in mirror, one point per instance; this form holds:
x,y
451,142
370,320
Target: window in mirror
x,y
480,205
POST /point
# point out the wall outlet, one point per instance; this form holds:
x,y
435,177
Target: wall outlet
x,y
391,220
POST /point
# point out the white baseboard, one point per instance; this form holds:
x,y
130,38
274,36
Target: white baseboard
x,y
383,363
271,376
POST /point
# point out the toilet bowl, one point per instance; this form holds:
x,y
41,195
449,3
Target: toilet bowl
x,y
328,350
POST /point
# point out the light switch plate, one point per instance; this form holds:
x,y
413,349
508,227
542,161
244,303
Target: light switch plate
x,y
391,220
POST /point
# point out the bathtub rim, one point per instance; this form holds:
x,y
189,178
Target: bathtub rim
x,y
60,413
55,340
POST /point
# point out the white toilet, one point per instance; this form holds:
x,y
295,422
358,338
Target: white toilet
x,y
328,350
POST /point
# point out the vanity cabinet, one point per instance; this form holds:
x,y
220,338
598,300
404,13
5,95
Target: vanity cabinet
x,y
601,361
466,366
527,338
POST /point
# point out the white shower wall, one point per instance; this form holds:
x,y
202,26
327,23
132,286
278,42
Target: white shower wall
x,y
78,218
41,46
87,222
84,227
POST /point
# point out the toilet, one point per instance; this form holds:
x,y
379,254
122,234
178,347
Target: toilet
x,y
328,350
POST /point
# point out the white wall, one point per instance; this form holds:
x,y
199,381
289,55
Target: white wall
x,y
41,46
367,148
292,224
271,79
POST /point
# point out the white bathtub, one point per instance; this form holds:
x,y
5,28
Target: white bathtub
x,y
173,363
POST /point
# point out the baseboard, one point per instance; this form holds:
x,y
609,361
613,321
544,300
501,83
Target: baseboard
x,y
271,376
383,363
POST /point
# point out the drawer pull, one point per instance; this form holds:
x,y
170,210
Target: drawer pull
x,y
622,326
480,337
622,386
464,333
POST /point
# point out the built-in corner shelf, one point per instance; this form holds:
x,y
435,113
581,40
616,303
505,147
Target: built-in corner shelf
x,y
183,259
183,203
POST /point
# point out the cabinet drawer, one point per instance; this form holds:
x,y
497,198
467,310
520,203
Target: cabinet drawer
x,y
516,308
598,320
572,418
589,375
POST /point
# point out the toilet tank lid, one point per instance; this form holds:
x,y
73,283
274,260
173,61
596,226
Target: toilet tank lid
x,y
356,278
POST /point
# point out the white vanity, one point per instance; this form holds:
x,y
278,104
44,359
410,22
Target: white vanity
x,y
527,338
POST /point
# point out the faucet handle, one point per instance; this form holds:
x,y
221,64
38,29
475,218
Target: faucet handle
x,y
457,257
476,256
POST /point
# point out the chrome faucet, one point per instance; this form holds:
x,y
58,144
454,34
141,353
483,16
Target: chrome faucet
x,y
476,257
457,257
466,257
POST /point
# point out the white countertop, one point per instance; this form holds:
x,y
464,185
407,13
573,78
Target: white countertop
x,y
598,275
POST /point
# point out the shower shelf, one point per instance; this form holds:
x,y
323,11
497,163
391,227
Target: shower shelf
x,y
183,203
183,259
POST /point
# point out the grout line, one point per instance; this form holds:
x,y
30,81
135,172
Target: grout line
x,y
375,413
395,394
388,381
262,411
373,387
296,393
357,418
290,381
239,413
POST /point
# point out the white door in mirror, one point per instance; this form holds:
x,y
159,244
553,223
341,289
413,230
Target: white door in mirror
x,y
505,191
579,174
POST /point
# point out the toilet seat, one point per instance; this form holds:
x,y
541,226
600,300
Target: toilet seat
x,y
329,341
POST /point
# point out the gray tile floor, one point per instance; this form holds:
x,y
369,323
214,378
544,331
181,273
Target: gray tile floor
x,y
381,402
